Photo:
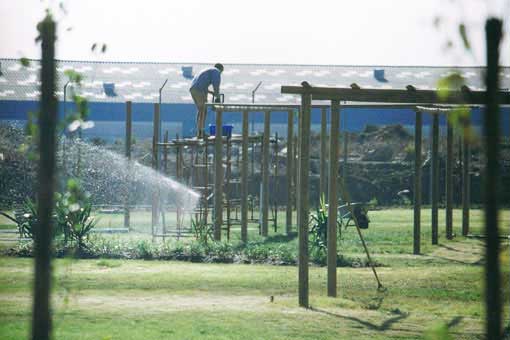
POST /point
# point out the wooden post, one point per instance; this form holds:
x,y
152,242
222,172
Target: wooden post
x,y
129,121
155,166
165,169
275,183
435,177
493,294
289,171
244,180
323,157
265,174
346,156
303,205
449,180
218,177
205,161
333,197
466,184
41,315
417,183
227,185
178,176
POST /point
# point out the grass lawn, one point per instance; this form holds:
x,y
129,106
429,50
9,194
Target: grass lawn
x,y
128,299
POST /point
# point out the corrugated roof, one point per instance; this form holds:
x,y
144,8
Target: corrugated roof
x,y
140,82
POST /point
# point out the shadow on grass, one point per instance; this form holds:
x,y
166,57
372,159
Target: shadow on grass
x,y
448,259
382,327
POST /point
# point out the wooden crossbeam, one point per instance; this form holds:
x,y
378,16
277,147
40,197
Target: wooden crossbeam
x,y
393,95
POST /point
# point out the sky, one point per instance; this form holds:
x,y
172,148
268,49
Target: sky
x,y
336,32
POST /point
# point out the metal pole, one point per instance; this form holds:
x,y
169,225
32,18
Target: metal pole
x,y
255,90
333,197
159,101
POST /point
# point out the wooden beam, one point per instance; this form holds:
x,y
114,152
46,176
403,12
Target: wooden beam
x,y
417,183
244,180
218,177
303,205
323,157
393,95
449,181
290,171
435,177
265,173
129,123
333,197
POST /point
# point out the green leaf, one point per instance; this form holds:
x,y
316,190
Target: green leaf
x,y
25,62
452,82
464,36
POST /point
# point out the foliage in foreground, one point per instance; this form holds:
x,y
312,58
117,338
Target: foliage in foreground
x,y
192,251
72,220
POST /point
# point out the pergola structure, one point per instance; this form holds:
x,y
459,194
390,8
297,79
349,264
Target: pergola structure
x,y
246,109
404,98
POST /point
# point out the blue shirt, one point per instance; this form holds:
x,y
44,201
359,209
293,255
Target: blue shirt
x,y
210,76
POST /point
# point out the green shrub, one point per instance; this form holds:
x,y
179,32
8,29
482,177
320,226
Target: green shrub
x,y
220,252
202,231
144,250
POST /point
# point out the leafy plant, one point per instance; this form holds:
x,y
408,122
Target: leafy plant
x,y
27,220
202,231
319,232
73,210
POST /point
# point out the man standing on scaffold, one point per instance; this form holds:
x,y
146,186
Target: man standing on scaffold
x,y
199,90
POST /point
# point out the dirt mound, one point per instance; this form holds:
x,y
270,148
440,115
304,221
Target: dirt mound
x,y
388,133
